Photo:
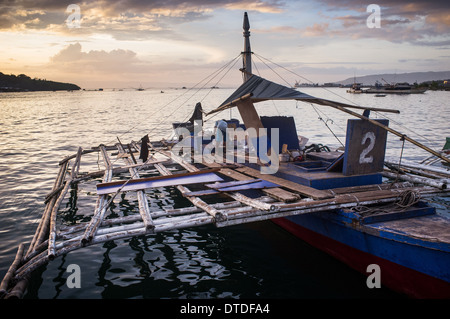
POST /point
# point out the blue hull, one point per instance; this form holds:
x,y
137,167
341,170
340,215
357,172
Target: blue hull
x,y
412,260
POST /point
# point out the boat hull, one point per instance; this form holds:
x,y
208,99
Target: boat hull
x,y
407,268
396,91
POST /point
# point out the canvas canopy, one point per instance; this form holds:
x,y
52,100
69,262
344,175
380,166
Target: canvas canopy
x,y
259,89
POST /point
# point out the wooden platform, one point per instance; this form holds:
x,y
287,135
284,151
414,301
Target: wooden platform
x,y
79,174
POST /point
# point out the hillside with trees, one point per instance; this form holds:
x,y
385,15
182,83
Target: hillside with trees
x,y
23,83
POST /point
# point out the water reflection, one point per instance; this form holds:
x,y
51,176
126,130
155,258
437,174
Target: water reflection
x,y
39,129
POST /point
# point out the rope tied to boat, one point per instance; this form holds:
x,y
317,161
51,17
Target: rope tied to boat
x,y
407,199
404,200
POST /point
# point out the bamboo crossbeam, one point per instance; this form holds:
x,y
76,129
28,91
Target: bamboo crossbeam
x,y
144,210
68,232
102,200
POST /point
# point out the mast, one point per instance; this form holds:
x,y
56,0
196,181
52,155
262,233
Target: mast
x,y
247,53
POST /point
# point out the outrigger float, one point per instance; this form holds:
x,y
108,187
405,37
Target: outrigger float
x,y
351,204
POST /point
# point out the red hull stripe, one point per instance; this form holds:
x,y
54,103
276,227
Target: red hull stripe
x,y
394,276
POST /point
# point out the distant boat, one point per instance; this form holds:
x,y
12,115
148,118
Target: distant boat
x,y
356,88
396,88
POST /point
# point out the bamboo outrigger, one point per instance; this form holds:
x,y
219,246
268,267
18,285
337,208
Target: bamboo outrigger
x,y
53,239
219,193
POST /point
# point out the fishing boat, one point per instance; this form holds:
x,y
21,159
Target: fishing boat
x,y
356,88
349,203
395,88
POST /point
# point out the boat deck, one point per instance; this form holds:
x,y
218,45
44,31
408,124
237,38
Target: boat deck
x,y
219,193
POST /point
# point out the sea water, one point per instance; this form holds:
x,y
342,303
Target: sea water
x,y
260,260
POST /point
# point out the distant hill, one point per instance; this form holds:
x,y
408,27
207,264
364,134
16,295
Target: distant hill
x,y
22,82
411,78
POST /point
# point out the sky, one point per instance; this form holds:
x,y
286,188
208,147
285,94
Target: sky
x,y
174,43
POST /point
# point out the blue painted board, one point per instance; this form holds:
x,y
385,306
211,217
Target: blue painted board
x,y
168,181
365,147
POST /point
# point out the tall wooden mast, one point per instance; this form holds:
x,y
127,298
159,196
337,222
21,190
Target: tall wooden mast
x,y
247,53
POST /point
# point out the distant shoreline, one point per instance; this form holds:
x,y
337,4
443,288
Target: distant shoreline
x,y
23,83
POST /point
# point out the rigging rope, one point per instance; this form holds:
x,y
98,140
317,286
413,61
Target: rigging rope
x,y
349,101
326,124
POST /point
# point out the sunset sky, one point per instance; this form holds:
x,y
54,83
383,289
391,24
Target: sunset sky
x,y
159,43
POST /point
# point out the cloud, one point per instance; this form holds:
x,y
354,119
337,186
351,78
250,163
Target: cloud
x,y
417,22
125,19
124,68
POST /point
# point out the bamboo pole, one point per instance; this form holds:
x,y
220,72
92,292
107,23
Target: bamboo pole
x,y
306,207
444,172
12,269
55,208
418,180
387,128
101,204
144,210
53,215
44,223
76,164
69,232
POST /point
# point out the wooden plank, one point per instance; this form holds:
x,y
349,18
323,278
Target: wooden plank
x,y
302,189
169,180
184,190
144,209
155,178
194,200
236,196
249,115
281,195
277,193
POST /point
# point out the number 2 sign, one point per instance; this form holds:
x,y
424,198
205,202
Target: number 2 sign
x,y
365,147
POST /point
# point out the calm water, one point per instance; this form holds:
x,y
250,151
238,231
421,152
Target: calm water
x,y
248,261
